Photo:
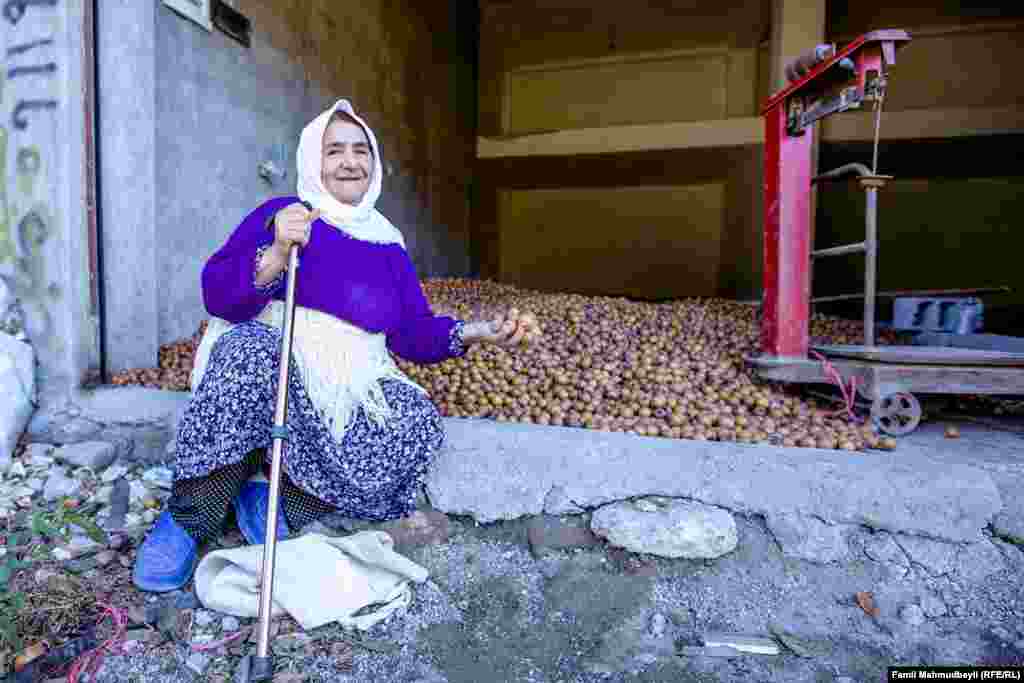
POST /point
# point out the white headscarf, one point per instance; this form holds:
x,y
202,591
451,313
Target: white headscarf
x,y
363,221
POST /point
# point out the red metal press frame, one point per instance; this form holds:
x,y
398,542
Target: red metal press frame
x,y
787,190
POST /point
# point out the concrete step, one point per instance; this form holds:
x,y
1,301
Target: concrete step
x,y
494,470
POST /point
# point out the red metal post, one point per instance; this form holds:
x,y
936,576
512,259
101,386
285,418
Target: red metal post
x,y
787,235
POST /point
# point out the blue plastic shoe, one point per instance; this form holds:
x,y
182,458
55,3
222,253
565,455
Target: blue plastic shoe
x,y
251,505
166,559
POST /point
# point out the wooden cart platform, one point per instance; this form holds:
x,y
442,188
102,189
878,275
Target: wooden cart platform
x,y
889,376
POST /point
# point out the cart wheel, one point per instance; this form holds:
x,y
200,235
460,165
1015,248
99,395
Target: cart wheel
x,y
896,414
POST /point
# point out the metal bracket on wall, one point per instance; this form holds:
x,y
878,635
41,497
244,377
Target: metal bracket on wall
x,y
271,172
231,22
195,10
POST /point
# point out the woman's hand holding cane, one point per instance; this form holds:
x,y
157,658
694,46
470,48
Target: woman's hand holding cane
x,y
291,228
292,225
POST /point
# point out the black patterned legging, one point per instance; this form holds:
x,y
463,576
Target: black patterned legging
x,y
201,505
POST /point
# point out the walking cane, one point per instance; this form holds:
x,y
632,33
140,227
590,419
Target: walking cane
x,y
261,666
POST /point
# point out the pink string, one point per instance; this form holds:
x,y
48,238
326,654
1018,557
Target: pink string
x,y
90,662
219,643
849,395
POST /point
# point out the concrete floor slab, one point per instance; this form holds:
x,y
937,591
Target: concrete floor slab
x,y
132,405
995,445
948,489
491,470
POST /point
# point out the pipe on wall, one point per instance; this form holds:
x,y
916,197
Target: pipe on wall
x,y
94,214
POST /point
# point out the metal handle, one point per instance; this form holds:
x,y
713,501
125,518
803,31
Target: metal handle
x,y
859,169
840,251
871,182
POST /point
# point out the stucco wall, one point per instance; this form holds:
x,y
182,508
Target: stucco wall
x,y
219,109
44,254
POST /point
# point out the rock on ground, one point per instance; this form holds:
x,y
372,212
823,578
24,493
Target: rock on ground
x,y
881,548
82,545
808,538
204,618
198,662
977,561
937,558
132,405
1009,523
668,528
12,317
629,643
96,455
60,425
422,527
1013,554
932,606
59,485
546,534
114,473
39,454
161,477
912,615
140,422
18,387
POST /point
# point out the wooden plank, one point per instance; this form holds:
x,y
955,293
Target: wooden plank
x,y
847,127
930,379
790,370
880,379
635,138
984,341
941,30
627,91
909,292
925,355
917,124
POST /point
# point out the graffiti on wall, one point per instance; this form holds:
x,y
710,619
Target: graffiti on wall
x,y
25,217
14,10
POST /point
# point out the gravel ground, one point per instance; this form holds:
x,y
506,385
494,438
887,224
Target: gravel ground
x,y
492,612
497,608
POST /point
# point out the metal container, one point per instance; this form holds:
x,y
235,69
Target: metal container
x,y
938,314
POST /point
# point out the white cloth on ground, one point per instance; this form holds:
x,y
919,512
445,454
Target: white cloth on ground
x,y
317,579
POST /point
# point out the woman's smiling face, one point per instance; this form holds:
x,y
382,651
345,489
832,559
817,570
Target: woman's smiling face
x,y
347,161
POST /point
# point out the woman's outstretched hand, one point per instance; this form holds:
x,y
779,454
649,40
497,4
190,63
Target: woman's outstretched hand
x,y
508,330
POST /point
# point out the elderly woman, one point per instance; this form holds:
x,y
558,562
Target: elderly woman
x,y
361,435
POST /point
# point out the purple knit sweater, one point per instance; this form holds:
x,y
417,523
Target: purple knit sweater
x,y
372,286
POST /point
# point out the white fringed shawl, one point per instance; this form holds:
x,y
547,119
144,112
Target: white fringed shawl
x,y
339,363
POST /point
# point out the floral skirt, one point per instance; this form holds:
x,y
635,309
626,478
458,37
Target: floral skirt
x,y
374,473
